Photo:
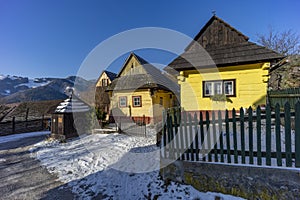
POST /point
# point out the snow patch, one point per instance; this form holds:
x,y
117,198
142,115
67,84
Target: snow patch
x,y
2,77
15,137
33,84
88,165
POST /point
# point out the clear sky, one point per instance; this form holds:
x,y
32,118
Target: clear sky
x,y
51,38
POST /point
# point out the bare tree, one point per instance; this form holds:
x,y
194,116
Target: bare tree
x,y
285,42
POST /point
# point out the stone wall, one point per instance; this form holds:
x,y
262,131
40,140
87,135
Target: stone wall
x,y
250,182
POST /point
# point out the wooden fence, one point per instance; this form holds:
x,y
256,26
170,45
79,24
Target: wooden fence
x,y
291,95
253,138
132,126
14,126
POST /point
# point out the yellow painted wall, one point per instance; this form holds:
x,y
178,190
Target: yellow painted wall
x,y
103,76
150,105
251,86
135,111
167,102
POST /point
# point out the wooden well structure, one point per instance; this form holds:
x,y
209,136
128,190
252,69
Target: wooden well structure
x,y
69,118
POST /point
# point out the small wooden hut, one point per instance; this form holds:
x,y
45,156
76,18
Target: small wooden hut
x,y
68,117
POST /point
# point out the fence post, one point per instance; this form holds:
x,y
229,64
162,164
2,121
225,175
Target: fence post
x,y
287,126
196,137
202,135
258,129
13,125
278,134
182,150
144,124
215,141
176,136
42,124
242,134
234,136
26,118
191,148
187,156
208,136
250,122
164,134
227,136
297,134
268,135
221,135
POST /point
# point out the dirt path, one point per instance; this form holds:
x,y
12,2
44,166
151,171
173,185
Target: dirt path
x,y
23,177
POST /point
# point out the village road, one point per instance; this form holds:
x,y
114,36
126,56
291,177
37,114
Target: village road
x,y
23,177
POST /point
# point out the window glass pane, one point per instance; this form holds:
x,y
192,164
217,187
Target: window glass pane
x,y
208,88
228,87
217,87
123,101
136,101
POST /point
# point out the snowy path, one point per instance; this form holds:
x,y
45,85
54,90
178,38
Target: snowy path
x,y
21,176
113,166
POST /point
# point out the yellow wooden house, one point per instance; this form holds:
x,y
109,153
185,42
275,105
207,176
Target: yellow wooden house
x,y
221,69
142,91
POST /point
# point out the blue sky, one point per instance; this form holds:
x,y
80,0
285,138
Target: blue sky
x,y
51,38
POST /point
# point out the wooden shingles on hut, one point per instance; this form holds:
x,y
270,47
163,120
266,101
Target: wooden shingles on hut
x,y
69,118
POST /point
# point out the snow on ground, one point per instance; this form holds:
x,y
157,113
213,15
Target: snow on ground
x,y
14,137
113,166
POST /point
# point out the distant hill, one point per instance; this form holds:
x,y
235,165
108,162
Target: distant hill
x,y
35,110
15,89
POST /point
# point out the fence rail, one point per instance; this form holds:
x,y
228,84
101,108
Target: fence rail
x,y
131,126
254,137
291,95
14,126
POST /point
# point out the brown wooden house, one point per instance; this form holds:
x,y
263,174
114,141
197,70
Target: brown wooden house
x,y
102,100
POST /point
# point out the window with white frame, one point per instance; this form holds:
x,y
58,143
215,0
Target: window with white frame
x,y
226,87
122,101
136,101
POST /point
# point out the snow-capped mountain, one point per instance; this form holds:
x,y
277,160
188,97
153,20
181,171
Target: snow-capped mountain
x,y
18,89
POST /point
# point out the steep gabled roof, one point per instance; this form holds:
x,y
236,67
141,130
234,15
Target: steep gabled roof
x,y
152,78
222,46
217,32
110,75
226,55
138,58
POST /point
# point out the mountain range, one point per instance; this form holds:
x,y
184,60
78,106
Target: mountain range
x,y
14,89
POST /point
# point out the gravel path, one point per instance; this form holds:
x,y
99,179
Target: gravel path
x,y
23,177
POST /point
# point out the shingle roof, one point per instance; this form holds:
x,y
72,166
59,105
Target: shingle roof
x,y
231,54
154,78
72,105
221,45
110,75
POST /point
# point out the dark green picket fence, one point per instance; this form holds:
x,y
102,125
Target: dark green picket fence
x,y
257,138
290,95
